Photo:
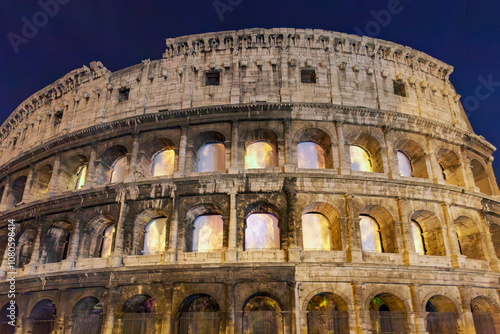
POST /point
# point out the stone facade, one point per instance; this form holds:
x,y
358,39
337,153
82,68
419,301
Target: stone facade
x,y
283,86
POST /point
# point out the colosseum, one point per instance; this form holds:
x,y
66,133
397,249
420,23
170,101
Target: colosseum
x,y
268,181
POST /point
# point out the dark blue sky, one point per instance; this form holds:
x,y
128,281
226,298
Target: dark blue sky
x,y
462,33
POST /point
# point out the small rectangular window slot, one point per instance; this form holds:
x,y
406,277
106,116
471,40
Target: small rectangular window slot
x,y
212,78
399,88
123,94
308,75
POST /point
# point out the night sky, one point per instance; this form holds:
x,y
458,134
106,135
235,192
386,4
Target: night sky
x,y
462,33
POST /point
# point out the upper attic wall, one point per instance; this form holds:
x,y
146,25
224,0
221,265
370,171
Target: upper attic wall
x,y
255,65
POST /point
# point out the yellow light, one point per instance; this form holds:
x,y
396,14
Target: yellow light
x,y
360,160
259,155
154,238
163,163
211,157
310,155
315,231
81,174
417,238
208,233
370,237
107,241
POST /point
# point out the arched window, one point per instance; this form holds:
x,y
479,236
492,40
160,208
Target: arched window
x,y
154,236
310,155
81,175
481,179
17,191
199,314
360,159
259,154
107,241
405,167
163,163
316,232
119,169
212,157
418,238
262,232
208,233
370,235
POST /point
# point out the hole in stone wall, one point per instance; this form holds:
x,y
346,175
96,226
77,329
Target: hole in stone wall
x,y
308,75
399,88
123,94
212,78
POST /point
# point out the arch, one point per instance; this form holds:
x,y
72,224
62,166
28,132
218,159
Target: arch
x,y
373,149
261,147
157,158
155,236
388,314
485,313
107,241
119,170
441,315
262,231
451,166
86,316
41,181
93,235
24,247
139,315
73,172
199,313
8,314
209,223
416,155
360,159
327,313
470,238
481,178
431,232
42,317
107,165
208,152
418,238
262,314
386,231
314,149
56,243
16,192
330,225
495,238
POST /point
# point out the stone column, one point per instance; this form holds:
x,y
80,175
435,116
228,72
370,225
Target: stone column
x,y
392,168
291,197
5,196
449,233
361,315
354,249
490,248
467,170
35,254
231,252
466,312
234,147
56,170
133,159
230,322
344,165
69,263
419,315
180,172
404,216
289,163
491,177
90,178
27,187
174,228
116,259
109,313
437,173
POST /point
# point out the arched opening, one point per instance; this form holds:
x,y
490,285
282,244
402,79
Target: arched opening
x,y
157,158
260,149
163,162
107,241
371,240
208,233
16,192
327,313
93,235
441,315
495,238
56,243
366,154
86,317
155,236
199,314
469,238
43,316
321,227
387,314
8,318
314,149
418,238
139,315
431,235
405,166
451,166
411,159
481,179
262,314
119,170
208,152
73,172
262,232
41,182
316,232
360,159
24,248
486,316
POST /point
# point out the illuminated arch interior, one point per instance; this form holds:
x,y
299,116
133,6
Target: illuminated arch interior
x,y
310,155
119,170
211,157
163,163
259,154
360,159
208,233
404,163
154,236
107,241
316,232
370,234
262,232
